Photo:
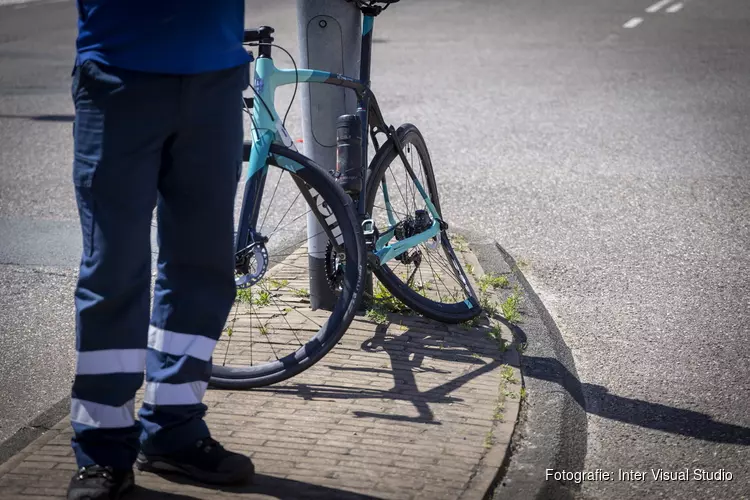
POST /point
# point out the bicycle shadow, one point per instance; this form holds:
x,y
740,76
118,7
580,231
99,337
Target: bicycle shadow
x,y
422,339
597,400
269,486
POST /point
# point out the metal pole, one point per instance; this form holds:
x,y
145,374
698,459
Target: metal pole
x,y
329,34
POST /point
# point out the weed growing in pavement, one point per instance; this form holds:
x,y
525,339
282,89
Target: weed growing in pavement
x,y
386,300
301,293
383,303
491,280
498,415
459,243
488,305
510,307
277,284
489,439
523,394
376,316
245,295
263,298
495,333
507,374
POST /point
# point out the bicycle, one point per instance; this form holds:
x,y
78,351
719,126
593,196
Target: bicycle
x,y
367,227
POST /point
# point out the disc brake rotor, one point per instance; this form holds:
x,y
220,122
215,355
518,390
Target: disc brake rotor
x,y
334,268
251,265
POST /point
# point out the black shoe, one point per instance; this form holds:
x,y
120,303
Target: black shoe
x,y
205,461
100,483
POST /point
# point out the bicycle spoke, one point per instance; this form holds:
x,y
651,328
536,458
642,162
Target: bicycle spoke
x,y
437,279
287,211
229,341
268,208
287,321
277,229
298,243
394,211
450,271
270,344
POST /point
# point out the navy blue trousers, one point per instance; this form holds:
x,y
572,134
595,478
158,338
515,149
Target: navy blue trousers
x,y
145,141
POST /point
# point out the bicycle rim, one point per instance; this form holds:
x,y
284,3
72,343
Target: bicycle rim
x,y
272,332
428,278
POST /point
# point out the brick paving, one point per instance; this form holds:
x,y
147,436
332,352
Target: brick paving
x,y
407,409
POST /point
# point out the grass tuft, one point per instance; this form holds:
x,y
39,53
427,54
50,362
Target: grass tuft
x,y
489,439
459,243
245,295
384,303
510,308
507,374
277,284
493,281
263,298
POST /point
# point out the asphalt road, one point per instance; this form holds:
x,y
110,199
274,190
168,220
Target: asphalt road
x,y
613,160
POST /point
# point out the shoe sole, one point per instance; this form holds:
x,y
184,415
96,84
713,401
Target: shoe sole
x,y
163,465
126,488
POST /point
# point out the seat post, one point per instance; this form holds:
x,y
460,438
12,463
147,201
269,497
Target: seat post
x,y
366,57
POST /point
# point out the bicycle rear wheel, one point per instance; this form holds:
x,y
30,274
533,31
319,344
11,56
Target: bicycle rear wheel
x,y
428,278
272,333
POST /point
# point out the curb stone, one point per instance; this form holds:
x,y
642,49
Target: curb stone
x,y
552,427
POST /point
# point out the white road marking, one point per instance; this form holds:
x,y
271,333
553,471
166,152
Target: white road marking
x,y
657,6
675,8
633,22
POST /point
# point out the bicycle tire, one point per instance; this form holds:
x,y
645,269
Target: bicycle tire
x,y
341,205
456,312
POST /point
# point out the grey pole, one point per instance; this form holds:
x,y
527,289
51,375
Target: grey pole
x,y
329,34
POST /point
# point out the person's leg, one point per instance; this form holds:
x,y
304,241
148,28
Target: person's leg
x,y
122,120
195,288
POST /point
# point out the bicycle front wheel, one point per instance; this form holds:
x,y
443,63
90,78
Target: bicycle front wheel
x,y
428,278
272,332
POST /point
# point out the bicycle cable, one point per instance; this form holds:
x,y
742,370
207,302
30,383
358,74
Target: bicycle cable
x,y
296,79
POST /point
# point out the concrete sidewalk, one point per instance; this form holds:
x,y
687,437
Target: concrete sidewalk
x,y
409,408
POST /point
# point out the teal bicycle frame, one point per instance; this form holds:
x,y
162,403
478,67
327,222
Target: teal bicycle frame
x,y
268,130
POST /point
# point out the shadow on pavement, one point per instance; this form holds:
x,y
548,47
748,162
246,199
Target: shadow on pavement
x,y
407,352
597,400
42,118
663,418
272,487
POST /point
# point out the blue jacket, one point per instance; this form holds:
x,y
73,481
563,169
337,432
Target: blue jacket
x,y
162,36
